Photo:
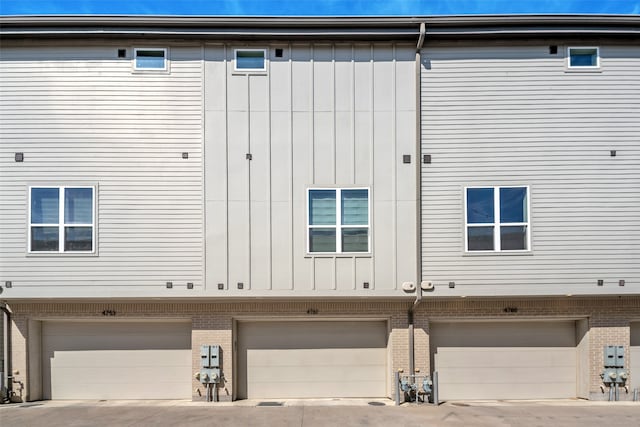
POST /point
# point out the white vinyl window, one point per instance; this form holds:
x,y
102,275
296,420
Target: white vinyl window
x,y
497,219
250,60
583,58
338,220
62,219
150,59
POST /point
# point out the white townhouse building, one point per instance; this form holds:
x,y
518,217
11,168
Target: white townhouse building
x,y
325,200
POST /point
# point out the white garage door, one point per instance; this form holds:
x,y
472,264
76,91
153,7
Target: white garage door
x,y
312,359
505,360
634,363
116,360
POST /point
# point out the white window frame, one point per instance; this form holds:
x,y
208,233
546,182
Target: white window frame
x,y
583,67
249,70
165,52
497,224
61,220
338,226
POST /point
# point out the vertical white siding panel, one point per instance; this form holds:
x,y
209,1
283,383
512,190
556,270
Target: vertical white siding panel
x,y
323,148
302,177
323,81
362,140
345,274
363,83
260,191
239,220
301,63
324,274
363,274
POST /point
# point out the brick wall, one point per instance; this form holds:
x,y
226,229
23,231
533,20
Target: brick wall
x,y
212,323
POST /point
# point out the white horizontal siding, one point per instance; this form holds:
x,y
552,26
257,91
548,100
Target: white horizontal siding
x,y
511,115
80,116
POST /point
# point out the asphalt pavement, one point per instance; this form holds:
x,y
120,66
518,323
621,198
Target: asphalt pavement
x,y
314,413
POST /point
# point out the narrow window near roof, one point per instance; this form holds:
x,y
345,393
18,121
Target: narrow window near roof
x,y
250,60
583,57
150,59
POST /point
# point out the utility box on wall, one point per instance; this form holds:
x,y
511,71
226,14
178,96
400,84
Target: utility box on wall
x,y
614,356
210,356
210,362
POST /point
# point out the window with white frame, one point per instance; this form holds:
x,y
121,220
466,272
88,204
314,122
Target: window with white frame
x,y
497,219
583,57
62,219
338,220
250,60
150,59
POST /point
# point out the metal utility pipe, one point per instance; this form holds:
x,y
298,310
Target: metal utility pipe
x,y
8,377
412,364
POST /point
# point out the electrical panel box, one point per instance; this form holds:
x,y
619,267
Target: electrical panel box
x,y
210,362
614,356
210,356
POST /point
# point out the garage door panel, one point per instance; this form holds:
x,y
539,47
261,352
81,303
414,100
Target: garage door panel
x,y
292,390
499,357
315,375
104,375
309,335
122,390
514,391
504,375
315,357
317,372
122,358
469,368
117,360
111,342
312,359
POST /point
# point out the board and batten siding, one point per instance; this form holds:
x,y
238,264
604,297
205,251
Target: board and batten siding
x,y
81,116
334,115
509,115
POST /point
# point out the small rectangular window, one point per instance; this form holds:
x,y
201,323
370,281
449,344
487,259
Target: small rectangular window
x,y
583,57
250,60
61,219
497,219
150,59
338,220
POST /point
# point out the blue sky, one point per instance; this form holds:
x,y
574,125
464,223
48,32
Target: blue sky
x,y
315,7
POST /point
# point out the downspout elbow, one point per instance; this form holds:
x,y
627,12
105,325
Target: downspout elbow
x,y
421,37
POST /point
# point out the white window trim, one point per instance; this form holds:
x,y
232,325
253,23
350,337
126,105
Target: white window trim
x,y
249,70
338,226
151,70
496,224
583,67
61,220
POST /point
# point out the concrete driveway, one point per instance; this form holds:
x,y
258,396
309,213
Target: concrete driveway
x,y
319,413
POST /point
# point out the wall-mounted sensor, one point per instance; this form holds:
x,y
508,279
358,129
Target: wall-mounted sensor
x,y
426,285
409,287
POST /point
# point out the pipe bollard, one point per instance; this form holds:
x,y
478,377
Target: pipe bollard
x,y
435,388
397,379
